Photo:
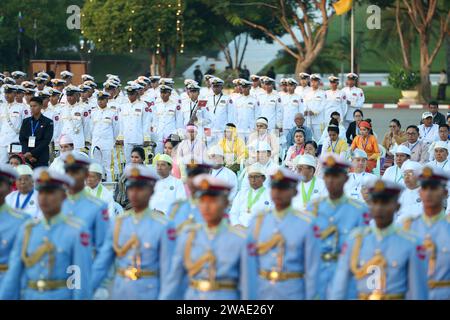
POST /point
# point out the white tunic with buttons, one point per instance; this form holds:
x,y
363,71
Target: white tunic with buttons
x,y
315,101
105,128
270,107
222,111
75,123
356,99
336,101
319,190
241,214
11,117
292,104
167,117
246,107
134,122
167,191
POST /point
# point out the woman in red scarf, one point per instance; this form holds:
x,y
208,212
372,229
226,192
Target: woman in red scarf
x,y
297,149
367,142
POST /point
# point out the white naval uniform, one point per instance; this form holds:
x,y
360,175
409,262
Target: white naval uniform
x,y
302,91
103,193
205,92
410,204
246,107
291,105
355,98
429,134
167,191
203,116
222,111
228,176
135,120
270,107
75,123
52,114
11,118
319,190
32,207
315,101
394,174
255,92
239,213
352,187
336,101
167,118
105,128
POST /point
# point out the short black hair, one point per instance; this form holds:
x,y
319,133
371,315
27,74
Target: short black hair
x,y
444,125
413,127
229,124
396,122
17,157
301,131
313,143
38,100
335,113
433,103
358,110
140,151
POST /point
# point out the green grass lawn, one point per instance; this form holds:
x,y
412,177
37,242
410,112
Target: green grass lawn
x,y
391,95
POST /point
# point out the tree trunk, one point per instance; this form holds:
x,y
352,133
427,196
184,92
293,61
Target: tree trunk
x,y
425,85
162,64
447,40
153,64
243,51
173,63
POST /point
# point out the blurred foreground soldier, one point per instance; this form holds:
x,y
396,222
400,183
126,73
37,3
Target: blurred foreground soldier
x,y
184,213
79,203
335,217
255,199
42,263
282,241
25,197
211,254
433,227
10,219
139,243
386,262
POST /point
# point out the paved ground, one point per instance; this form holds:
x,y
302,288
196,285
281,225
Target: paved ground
x,y
382,117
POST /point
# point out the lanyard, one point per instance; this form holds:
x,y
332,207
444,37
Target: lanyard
x,y
359,181
33,129
25,202
364,145
443,164
297,152
401,177
99,191
307,197
192,108
426,132
216,103
250,201
218,172
335,145
413,146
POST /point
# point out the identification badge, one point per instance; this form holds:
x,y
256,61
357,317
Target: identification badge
x,y
32,142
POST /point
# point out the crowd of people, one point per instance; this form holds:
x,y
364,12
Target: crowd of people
x,y
265,191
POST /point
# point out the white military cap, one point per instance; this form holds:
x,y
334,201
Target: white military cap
x,y
154,78
110,84
189,81
71,89
53,91
164,87
207,184
166,81
66,74
315,76
254,77
132,88
9,87
433,175
402,149
18,74
263,146
103,95
24,170
352,76
292,81
7,171
44,75
112,76
215,150
45,93
139,174
333,162
359,153
305,159
30,90
333,78
304,75
216,81
96,167
75,159
383,188
45,178
90,83
9,80
208,76
284,178
20,89
86,77
245,83
29,84
57,82
283,81
267,80
411,165
83,87
145,79
256,168
193,87
440,145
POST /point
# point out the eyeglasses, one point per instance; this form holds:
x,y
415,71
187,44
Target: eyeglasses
x,y
411,133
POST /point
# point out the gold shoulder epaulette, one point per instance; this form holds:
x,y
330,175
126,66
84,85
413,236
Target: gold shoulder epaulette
x,y
407,222
16,213
239,231
304,215
357,203
159,216
363,231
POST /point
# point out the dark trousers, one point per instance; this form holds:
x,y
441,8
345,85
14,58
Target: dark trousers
x,y
441,91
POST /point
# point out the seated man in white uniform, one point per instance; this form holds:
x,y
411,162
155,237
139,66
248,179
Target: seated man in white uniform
x,y
216,157
354,184
248,203
65,145
95,188
311,187
263,156
25,197
410,201
394,173
440,151
168,189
